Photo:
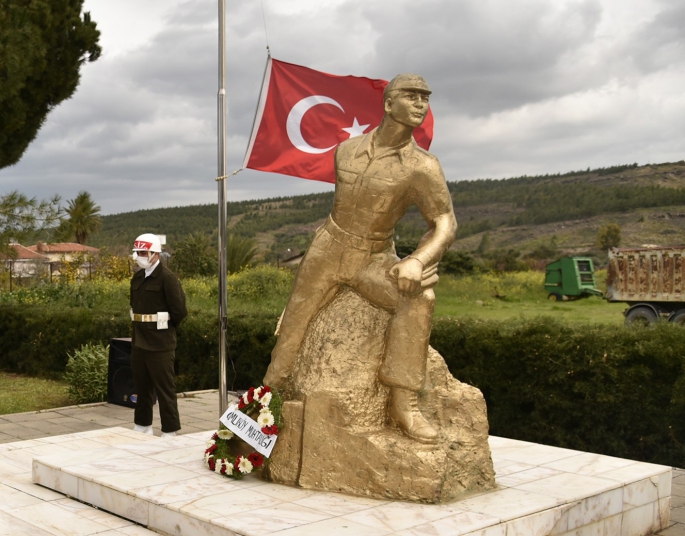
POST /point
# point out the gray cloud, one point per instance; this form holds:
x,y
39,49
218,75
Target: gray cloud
x,y
526,87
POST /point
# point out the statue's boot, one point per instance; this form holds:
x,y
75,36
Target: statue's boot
x,y
404,411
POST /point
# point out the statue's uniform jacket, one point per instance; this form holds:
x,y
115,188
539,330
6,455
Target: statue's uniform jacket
x,y
153,350
355,248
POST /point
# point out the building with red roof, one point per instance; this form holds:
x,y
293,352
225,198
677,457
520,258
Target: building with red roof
x,y
26,262
64,251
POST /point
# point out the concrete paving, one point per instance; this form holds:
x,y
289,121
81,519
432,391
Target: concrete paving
x,y
199,412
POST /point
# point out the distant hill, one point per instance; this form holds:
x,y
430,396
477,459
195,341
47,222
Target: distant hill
x,y
521,213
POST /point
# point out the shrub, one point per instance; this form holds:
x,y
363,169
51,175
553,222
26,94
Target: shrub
x,y
194,255
86,373
36,340
606,389
250,338
458,263
101,294
261,282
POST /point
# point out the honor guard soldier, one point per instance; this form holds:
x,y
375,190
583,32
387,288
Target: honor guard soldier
x,y
158,305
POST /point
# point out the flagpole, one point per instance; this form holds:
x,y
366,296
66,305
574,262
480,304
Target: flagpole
x,y
221,180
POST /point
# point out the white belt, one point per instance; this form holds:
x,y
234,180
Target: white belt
x,y
162,319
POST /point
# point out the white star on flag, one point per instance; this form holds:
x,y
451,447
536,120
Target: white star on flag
x,y
356,129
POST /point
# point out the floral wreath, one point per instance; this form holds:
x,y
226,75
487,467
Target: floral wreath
x,y
268,404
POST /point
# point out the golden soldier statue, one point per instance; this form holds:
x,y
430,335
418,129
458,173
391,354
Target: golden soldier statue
x,y
378,177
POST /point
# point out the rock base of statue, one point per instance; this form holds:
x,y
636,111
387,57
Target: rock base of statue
x,y
336,435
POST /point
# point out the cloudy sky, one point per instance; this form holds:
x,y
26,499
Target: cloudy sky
x,y
519,87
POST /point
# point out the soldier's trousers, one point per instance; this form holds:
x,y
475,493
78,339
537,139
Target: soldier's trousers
x,y
153,372
328,264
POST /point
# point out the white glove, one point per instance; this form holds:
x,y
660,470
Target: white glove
x,y
162,320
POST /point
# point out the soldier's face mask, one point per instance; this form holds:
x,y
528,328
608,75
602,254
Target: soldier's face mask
x,y
143,258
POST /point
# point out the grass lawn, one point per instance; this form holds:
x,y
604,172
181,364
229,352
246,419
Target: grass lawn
x,y
592,310
516,295
22,393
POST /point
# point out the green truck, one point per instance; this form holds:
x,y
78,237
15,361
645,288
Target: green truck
x,y
571,278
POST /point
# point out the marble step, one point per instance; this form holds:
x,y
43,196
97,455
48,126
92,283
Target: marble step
x,y
163,485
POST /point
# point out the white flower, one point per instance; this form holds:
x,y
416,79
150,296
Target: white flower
x,y
266,399
210,443
245,465
217,466
225,434
245,397
207,457
229,467
265,418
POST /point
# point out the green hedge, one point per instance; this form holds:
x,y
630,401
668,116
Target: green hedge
x,y
35,340
250,338
610,390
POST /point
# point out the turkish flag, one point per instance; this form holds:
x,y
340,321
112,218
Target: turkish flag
x,y
304,114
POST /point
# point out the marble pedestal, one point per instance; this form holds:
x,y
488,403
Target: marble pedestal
x,y
541,490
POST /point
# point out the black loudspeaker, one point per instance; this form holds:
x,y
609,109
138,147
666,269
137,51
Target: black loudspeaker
x,y
119,377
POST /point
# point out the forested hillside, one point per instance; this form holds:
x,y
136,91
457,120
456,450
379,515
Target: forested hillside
x,y
265,220
647,202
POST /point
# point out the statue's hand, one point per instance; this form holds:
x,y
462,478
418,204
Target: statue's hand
x,y
408,273
429,277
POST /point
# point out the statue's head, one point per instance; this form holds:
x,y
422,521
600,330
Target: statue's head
x,y
406,81
405,99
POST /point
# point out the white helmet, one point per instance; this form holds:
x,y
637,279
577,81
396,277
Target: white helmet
x,y
148,242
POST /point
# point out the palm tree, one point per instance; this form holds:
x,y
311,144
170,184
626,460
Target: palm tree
x,y
240,252
83,218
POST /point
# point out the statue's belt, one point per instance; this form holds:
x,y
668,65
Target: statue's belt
x,y
355,241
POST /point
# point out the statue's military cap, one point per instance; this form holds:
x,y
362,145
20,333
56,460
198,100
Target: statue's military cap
x,y
412,82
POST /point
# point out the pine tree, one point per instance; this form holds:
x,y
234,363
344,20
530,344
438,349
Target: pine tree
x,y
20,217
43,44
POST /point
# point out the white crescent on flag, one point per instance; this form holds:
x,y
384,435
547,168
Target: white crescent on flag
x,y
295,119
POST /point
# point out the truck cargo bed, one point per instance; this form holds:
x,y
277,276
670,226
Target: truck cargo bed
x,y
646,274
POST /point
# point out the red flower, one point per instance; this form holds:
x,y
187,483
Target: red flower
x,y
241,403
236,463
256,459
211,463
223,469
250,395
263,391
211,449
272,429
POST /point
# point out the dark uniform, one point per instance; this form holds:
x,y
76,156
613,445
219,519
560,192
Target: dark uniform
x,y
153,350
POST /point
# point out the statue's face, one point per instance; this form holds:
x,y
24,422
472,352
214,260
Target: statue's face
x,y
407,107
